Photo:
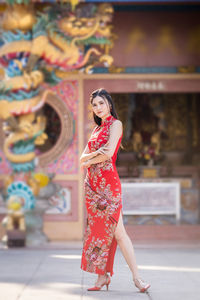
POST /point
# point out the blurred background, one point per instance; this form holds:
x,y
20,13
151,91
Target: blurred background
x,y
149,60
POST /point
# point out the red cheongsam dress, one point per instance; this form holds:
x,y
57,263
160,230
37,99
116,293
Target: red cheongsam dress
x,y
103,203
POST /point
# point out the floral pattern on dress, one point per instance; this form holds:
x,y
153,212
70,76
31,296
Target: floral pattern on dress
x,y
103,202
97,254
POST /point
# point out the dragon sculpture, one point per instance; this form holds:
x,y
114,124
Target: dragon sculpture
x,y
39,45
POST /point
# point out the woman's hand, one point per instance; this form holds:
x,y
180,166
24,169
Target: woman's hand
x,y
85,164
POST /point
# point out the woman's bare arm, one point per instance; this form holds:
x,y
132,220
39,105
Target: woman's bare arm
x,y
86,155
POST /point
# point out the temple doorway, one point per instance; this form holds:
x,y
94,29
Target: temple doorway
x,y
159,129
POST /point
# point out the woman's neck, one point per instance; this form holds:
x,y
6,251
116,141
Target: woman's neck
x,y
104,118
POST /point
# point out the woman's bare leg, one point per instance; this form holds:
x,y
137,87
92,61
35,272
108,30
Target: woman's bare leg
x,y
126,247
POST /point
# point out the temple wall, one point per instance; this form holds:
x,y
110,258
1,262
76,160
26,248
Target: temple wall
x,y
156,39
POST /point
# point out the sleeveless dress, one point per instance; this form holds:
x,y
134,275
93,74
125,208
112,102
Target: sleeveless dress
x,y
103,202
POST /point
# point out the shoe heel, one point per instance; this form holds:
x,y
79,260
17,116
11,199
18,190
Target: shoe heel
x,y
141,285
108,282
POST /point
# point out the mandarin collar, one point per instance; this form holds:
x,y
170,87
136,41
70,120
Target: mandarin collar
x,y
107,120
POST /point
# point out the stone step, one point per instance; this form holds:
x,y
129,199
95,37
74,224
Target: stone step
x,y
185,233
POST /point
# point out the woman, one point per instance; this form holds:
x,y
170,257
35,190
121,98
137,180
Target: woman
x,y
105,227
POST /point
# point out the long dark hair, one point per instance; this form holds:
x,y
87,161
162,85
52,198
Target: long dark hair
x,y
105,95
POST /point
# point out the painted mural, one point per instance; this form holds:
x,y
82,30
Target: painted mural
x,y
68,162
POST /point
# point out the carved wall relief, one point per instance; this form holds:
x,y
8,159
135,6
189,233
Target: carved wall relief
x,y
65,134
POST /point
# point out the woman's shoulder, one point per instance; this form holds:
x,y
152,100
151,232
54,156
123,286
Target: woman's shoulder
x,y
117,126
117,123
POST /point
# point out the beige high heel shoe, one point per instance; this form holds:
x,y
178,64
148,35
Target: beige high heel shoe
x,y
141,285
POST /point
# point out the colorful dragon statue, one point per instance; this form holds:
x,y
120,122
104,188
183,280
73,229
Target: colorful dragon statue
x,y
37,44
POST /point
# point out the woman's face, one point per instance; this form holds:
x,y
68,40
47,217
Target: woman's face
x,y
101,107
